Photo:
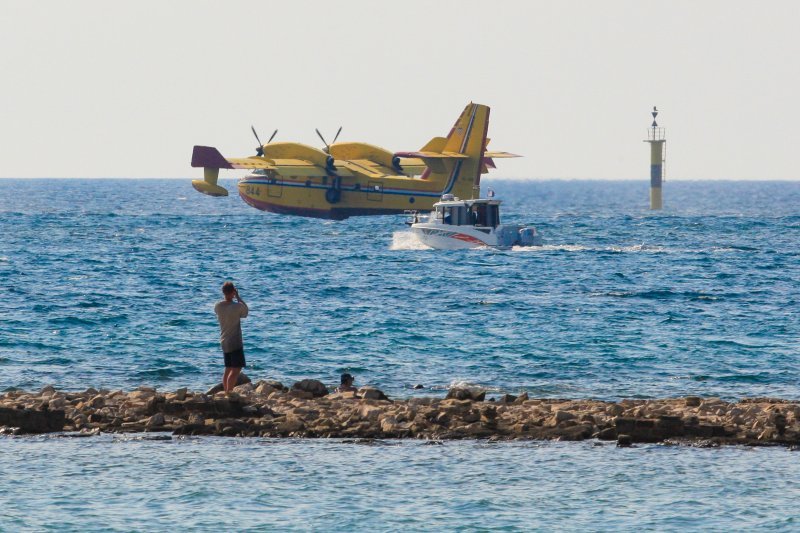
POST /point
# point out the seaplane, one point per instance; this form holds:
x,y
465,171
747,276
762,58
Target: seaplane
x,y
354,178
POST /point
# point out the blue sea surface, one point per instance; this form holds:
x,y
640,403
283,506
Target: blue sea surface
x,y
111,283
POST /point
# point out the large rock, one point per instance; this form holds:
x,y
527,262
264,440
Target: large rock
x,y
265,387
693,401
157,420
315,387
371,393
31,421
275,384
243,389
650,430
463,393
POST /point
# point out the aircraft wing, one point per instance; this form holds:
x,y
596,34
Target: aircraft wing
x,y
303,168
249,162
364,167
210,158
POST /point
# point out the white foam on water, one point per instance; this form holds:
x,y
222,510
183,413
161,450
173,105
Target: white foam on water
x,y
551,248
637,248
646,248
406,240
472,387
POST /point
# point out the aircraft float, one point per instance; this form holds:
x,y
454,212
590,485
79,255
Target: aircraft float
x,y
357,179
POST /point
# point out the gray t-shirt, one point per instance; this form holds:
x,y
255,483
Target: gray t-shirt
x,y
230,327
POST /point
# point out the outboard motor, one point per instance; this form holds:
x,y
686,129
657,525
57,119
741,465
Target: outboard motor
x,y
529,237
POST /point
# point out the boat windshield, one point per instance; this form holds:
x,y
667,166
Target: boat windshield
x,y
455,215
484,215
478,214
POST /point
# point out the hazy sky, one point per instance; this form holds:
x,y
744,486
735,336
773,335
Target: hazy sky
x,y
94,89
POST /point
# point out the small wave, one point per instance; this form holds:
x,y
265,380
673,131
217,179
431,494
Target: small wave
x,y
178,322
746,378
71,320
167,373
737,344
57,361
334,291
90,305
761,377
734,249
406,240
656,294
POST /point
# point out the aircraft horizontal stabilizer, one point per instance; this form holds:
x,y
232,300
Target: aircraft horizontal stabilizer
x,y
432,155
499,155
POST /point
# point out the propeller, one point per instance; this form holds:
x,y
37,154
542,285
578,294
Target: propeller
x,y
260,149
328,146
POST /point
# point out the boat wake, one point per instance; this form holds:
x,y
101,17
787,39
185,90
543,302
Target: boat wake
x,y
406,240
636,248
552,248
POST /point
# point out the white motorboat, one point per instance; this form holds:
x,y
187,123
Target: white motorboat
x,y
456,224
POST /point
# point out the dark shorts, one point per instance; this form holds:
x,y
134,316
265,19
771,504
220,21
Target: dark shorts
x,y
235,359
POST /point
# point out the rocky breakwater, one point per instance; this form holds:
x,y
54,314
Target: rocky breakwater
x,y
307,409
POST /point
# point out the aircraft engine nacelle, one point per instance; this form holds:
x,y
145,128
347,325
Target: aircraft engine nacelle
x,y
330,164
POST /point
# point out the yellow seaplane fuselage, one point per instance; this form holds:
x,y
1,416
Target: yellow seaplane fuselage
x,y
356,179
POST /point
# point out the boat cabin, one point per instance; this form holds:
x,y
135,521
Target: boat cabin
x,y
482,212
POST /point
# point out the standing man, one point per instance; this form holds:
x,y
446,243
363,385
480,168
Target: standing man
x,y
229,313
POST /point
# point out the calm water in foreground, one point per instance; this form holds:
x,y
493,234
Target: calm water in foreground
x,y
217,483
111,283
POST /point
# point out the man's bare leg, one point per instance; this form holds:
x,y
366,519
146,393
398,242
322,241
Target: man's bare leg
x,y
225,378
232,377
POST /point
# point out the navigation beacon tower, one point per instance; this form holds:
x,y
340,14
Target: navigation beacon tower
x,y
657,139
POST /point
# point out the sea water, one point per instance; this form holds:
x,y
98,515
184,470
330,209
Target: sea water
x,y
111,283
